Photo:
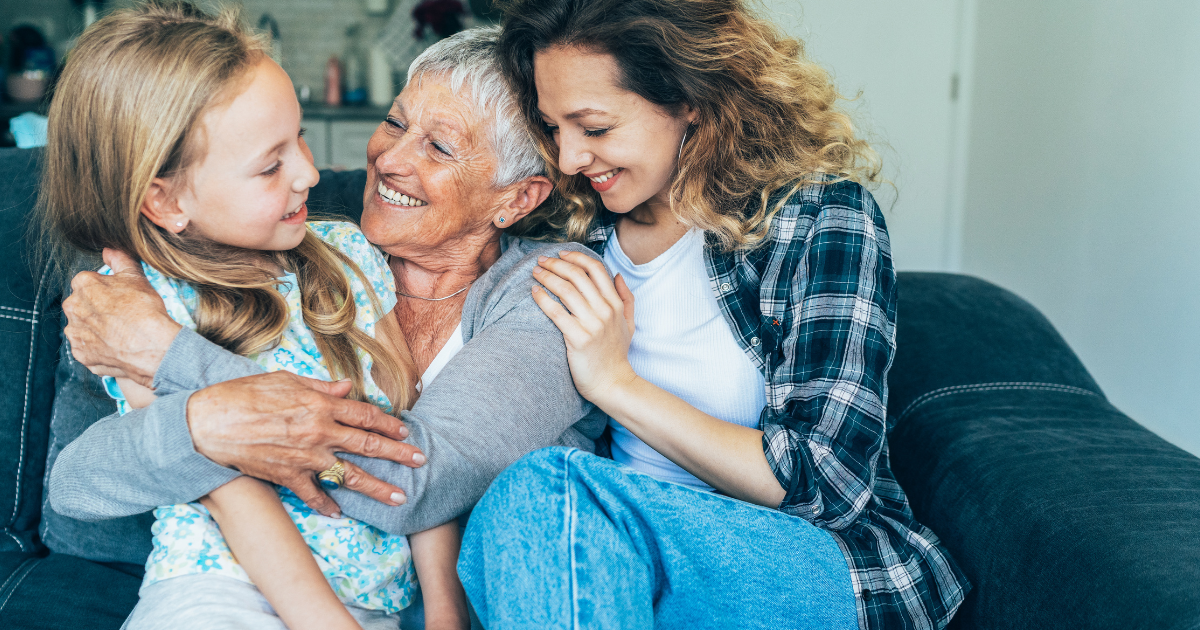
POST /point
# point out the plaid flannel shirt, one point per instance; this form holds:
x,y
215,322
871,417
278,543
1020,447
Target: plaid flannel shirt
x,y
815,309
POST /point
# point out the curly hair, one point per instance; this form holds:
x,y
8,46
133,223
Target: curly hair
x,y
768,117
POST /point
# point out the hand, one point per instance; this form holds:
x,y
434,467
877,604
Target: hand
x,y
118,325
284,428
597,323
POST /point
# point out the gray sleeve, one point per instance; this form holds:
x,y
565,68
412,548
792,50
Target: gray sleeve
x,y
124,465
506,393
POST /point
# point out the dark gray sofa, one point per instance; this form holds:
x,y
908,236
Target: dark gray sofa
x,y
1062,511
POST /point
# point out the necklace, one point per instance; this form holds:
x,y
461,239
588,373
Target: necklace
x,y
417,297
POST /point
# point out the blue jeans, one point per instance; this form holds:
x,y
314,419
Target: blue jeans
x,y
566,539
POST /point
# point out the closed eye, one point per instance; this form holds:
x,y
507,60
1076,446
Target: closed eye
x,y
274,169
396,124
595,133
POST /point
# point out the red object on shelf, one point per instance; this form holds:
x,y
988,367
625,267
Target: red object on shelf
x,y
333,82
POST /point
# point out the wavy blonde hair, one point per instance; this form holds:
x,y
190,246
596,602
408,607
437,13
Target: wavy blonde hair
x,y
127,110
768,117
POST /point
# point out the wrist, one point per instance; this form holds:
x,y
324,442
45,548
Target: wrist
x,y
620,393
156,338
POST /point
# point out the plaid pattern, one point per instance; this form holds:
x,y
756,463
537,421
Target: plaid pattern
x,y
815,309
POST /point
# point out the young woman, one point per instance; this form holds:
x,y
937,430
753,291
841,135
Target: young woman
x,y
741,352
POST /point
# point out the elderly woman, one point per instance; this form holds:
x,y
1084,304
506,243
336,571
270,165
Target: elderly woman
x,y
449,169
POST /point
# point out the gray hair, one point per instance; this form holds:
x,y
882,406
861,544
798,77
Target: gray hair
x,y
469,60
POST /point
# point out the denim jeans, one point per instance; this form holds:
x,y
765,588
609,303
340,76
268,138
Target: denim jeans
x,y
566,539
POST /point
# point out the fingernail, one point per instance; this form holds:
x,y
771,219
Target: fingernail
x,y
536,289
336,515
398,498
403,432
542,259
564,252
537,270
418,458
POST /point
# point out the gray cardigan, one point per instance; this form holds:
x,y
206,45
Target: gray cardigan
x,y
506,393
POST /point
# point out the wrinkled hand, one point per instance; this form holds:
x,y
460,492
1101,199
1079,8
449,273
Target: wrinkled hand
x,y
118,325
284,428
597,322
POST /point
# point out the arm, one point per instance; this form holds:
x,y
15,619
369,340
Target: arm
x,y
508,392
598,328
278,427
435,556
265,541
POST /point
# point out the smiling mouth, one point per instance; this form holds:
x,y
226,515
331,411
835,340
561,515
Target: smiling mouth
x,y
603,177
399,199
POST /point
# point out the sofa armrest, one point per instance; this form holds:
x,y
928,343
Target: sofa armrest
x,y
1061,510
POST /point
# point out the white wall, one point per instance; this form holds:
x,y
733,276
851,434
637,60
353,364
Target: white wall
x,y
1081,188
1066,170
902,57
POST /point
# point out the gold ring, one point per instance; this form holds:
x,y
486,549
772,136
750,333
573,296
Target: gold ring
x,y
333,477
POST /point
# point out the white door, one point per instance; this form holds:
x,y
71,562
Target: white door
x,y
903,57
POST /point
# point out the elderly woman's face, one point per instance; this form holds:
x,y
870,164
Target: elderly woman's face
x,y
429,173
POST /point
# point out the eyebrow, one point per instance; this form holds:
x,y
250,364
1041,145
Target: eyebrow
x,y
580,113
271,150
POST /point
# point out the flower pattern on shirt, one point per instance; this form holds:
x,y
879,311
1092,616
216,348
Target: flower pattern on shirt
x,y
366,567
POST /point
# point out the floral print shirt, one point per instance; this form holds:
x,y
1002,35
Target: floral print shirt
x,y
366,567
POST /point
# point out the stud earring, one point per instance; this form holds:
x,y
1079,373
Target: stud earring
x,y
179,224
502,219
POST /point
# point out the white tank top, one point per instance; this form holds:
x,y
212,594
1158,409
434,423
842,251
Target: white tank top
x,y
682,343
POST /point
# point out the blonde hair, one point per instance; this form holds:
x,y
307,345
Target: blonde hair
x,y
768,119
127,110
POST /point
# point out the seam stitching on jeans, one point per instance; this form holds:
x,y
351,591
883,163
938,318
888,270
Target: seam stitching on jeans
x,y
28,566
19,310
571,539
1001,386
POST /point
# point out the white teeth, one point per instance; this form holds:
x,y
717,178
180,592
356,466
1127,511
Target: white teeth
x,y
397,198
605,177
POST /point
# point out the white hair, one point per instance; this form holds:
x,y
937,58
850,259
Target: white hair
x,y
469,60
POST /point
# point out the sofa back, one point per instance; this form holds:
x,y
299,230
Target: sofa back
x,y
29,342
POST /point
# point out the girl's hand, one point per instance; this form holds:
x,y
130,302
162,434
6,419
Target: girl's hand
x,y
597,322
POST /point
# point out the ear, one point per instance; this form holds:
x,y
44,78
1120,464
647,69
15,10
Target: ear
x,y
524,197
162,208
691,114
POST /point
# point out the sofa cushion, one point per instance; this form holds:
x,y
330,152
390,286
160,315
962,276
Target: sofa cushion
x,y
57,592
1061,510
29,334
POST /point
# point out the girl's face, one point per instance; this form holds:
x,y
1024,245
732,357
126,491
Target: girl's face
x,y
250,188
624,144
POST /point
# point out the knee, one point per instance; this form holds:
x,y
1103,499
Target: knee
x,y
534,477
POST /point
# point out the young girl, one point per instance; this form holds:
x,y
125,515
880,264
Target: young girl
x,y
174,137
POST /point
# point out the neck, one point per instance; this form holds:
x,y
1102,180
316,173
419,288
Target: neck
x,y
440,276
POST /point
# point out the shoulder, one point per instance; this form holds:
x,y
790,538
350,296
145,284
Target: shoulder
x,y
349,240
503,292
830,209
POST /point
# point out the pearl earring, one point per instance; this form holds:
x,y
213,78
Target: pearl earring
x,y
179,224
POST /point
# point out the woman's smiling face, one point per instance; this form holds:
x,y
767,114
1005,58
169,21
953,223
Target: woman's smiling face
x,y
624,144
429,179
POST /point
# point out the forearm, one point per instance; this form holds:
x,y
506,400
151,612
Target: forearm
x,y
125,465
726,456
507,393
266,543
435,557
130,464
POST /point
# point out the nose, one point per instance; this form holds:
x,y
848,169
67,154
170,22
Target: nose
x,y
573,155
307,176
392,155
